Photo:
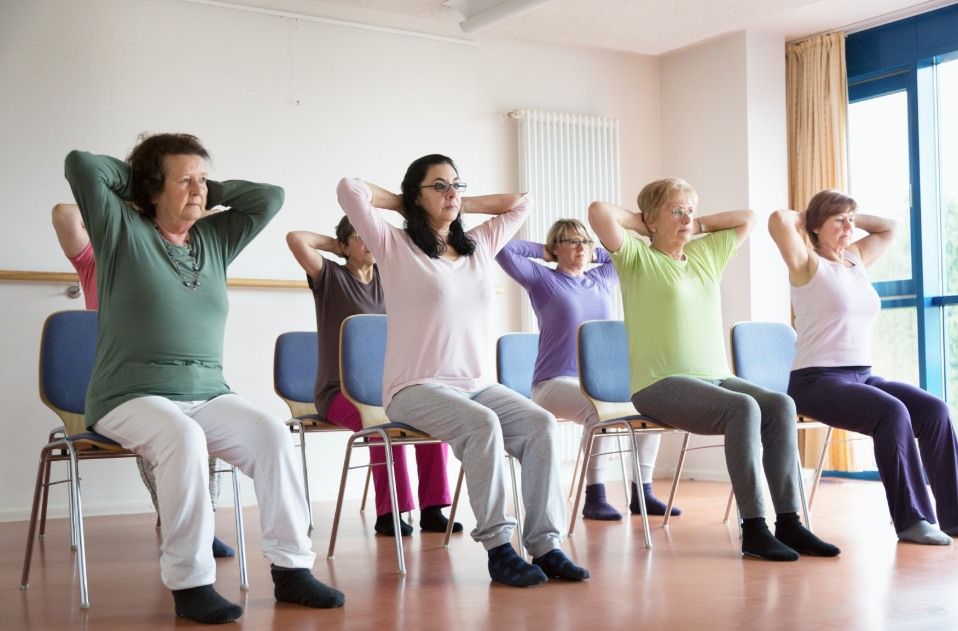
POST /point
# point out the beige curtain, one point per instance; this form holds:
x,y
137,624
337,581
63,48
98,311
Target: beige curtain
x,y
817,100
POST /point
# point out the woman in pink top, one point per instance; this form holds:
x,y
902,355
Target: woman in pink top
x,y
835,307
437,281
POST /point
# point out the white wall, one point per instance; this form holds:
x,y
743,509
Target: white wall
x,y
723,130
274,99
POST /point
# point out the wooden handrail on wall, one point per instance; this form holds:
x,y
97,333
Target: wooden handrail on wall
x,y
70,277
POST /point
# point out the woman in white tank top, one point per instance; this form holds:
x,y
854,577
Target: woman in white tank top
x,y
835,309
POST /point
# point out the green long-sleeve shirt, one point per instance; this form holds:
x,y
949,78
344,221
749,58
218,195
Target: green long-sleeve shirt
x,y
158,336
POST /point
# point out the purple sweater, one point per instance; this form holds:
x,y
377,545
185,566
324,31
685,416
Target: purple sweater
x,y
561,303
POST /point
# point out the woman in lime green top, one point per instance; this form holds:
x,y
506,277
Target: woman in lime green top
x,y
157,386
679,371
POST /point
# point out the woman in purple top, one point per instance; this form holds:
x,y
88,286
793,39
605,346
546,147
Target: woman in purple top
x,y
835,307
563,298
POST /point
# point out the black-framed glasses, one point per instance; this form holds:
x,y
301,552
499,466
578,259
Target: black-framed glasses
x,y
441,187
577,242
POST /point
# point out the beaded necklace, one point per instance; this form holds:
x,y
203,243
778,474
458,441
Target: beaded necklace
x,y
191,283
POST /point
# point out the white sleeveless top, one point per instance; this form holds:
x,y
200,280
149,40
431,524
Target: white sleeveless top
x,y
834,316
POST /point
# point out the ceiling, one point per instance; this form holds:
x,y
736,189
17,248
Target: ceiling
x,y
652,27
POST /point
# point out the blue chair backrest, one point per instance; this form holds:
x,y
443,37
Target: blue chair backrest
x,y
516,355
603,349
67,351
362,356
762,352
295,362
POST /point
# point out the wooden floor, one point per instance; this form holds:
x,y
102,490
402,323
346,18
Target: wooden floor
x,y
693,578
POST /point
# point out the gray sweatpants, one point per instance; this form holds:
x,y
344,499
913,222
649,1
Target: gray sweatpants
x,y
759,429
481,427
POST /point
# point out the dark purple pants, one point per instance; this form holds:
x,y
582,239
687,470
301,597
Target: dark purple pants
x,y
893,414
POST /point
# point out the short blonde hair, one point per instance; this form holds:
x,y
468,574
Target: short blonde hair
x,y
655,195
561,228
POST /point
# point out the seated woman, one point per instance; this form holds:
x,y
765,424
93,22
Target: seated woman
x,y
76,246
439,295
679,370
835,309
563,298
339,292
157,386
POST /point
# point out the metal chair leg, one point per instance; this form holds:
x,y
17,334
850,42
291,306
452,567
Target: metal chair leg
x,y
452,510
78,527
625,476
302,459
44,465
801,494
821,465
516,503
394,502
339,500
641,496
369,477
578,459
240,531
675,479
728,506
588,439
46,493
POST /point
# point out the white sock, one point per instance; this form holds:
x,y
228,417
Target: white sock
x,y
925,533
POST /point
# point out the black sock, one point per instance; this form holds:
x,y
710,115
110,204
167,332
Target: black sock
x,y
300,587
653,505
757,541
597,506
384,526
203,604
221,550
790,531
507,567
431,519
557,565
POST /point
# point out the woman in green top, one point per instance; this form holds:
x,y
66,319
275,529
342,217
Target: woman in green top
x,y
679,371
157,386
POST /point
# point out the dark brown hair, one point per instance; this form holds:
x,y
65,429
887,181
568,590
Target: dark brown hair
x,y
823,205
146,165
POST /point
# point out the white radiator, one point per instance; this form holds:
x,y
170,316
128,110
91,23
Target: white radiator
x,y
566,161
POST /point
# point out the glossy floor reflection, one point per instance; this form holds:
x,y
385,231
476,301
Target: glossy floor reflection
x,y
693,578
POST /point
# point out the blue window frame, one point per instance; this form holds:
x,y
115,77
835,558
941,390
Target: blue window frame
x,y
902,57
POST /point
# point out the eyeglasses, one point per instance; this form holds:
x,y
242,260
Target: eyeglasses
x,y
679,212
577,242
441,187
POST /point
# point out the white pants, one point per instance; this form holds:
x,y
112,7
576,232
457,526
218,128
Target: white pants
x,y
562,397
177,438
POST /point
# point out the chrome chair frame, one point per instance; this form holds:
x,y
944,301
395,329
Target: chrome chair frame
x,y
72,447
361,371
617,415
295,388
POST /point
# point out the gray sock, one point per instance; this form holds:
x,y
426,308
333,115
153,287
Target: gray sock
x,y
923,532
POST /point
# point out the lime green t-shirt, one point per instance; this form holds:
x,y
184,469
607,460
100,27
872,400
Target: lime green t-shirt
x,y
673,309
157,335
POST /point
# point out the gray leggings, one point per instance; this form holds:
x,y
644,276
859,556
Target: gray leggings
x,y
481,427
759,429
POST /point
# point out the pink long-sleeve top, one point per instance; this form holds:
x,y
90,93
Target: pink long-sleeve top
x,y
438,310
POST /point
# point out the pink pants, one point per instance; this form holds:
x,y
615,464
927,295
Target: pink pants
x,y
430,461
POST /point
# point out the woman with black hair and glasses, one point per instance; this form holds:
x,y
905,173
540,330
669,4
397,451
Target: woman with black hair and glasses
x,y
563,298
439,294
